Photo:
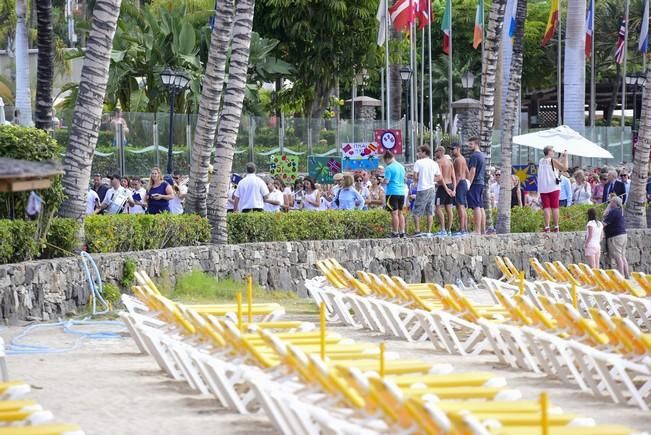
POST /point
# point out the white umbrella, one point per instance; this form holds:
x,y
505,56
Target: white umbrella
x,y
563,138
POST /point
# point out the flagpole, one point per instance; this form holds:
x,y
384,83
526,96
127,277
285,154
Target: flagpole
x,y
559,72
422,84
450,88
412,92
382,95
429,71
387,73
414,88
593,83
623,119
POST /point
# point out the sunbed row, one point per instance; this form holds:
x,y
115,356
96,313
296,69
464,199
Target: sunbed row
x,y
568,347
313,382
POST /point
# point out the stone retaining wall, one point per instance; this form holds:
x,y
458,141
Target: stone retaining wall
x,y
47,289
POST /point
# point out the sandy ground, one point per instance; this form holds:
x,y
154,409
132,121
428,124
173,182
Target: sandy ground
x,y
107,387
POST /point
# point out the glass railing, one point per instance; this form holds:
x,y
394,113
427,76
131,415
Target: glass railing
x,y
145,138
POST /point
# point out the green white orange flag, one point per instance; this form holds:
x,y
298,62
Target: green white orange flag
x,y
446,26
552,23
479,25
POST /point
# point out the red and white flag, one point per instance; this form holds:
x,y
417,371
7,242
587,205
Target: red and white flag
x,y
403,14
423,14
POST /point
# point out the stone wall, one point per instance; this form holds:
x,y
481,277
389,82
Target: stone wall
x,y
47,289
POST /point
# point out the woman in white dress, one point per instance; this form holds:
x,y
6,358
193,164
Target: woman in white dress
x,y
312,196
594,233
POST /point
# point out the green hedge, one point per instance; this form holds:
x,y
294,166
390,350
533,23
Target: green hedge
x,y
307,225
124,233
18,240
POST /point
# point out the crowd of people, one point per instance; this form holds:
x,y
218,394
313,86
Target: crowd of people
x,y
121,194
435,185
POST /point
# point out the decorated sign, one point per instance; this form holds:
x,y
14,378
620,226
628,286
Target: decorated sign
x,y
360,164
284,167
388,140
323,169
527,174
358,150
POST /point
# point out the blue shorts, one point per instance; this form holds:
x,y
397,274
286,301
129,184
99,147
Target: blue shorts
x,y
461,193
476,196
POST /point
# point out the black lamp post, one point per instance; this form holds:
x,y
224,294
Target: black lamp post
x,y
405,75
637,80
175,82
467,82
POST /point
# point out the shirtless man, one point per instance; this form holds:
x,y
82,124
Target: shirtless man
x,y
460,199
445,191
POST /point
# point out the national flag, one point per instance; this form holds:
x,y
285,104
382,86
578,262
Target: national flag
x,y
509,22
589,29
446,26
621,43
643,45
422,13
479,25
382,22
402,14
552,23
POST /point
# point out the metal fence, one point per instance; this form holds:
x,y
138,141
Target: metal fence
x,y
145,140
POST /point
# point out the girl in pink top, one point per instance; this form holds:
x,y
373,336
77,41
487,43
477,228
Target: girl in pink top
x,y
594,233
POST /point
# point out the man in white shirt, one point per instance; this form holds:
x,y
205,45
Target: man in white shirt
x,y
92,201
251,192
426,174
116,197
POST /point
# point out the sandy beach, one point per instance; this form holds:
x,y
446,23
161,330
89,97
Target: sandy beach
x,y
108,387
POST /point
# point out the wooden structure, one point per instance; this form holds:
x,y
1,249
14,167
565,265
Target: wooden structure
x,y
22,175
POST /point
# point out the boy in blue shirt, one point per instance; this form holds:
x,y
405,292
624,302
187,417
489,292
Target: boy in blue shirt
x,y
395,189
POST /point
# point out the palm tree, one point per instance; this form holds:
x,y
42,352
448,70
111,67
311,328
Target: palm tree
x,y
635,211
23,92
213,83
488,78
503,224
230,119
574,71
88,108
45,68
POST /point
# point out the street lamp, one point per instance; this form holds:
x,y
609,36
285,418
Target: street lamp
x,y
637,80
467,82
405,75
175,82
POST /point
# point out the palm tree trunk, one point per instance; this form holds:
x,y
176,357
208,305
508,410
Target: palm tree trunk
x,y
510,114
635,210
45,68
230,119
23,91
488,78
87,116
574,70
211,93
395,83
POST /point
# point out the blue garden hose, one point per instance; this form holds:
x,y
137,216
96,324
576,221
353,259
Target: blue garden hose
x,y
16,347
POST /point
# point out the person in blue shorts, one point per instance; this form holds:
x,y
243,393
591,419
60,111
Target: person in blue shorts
x,y
395,188
476,174
461,196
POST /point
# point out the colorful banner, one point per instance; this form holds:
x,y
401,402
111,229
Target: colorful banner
x,y
360,164
527,174
284,167
358,150
388,140
323,169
